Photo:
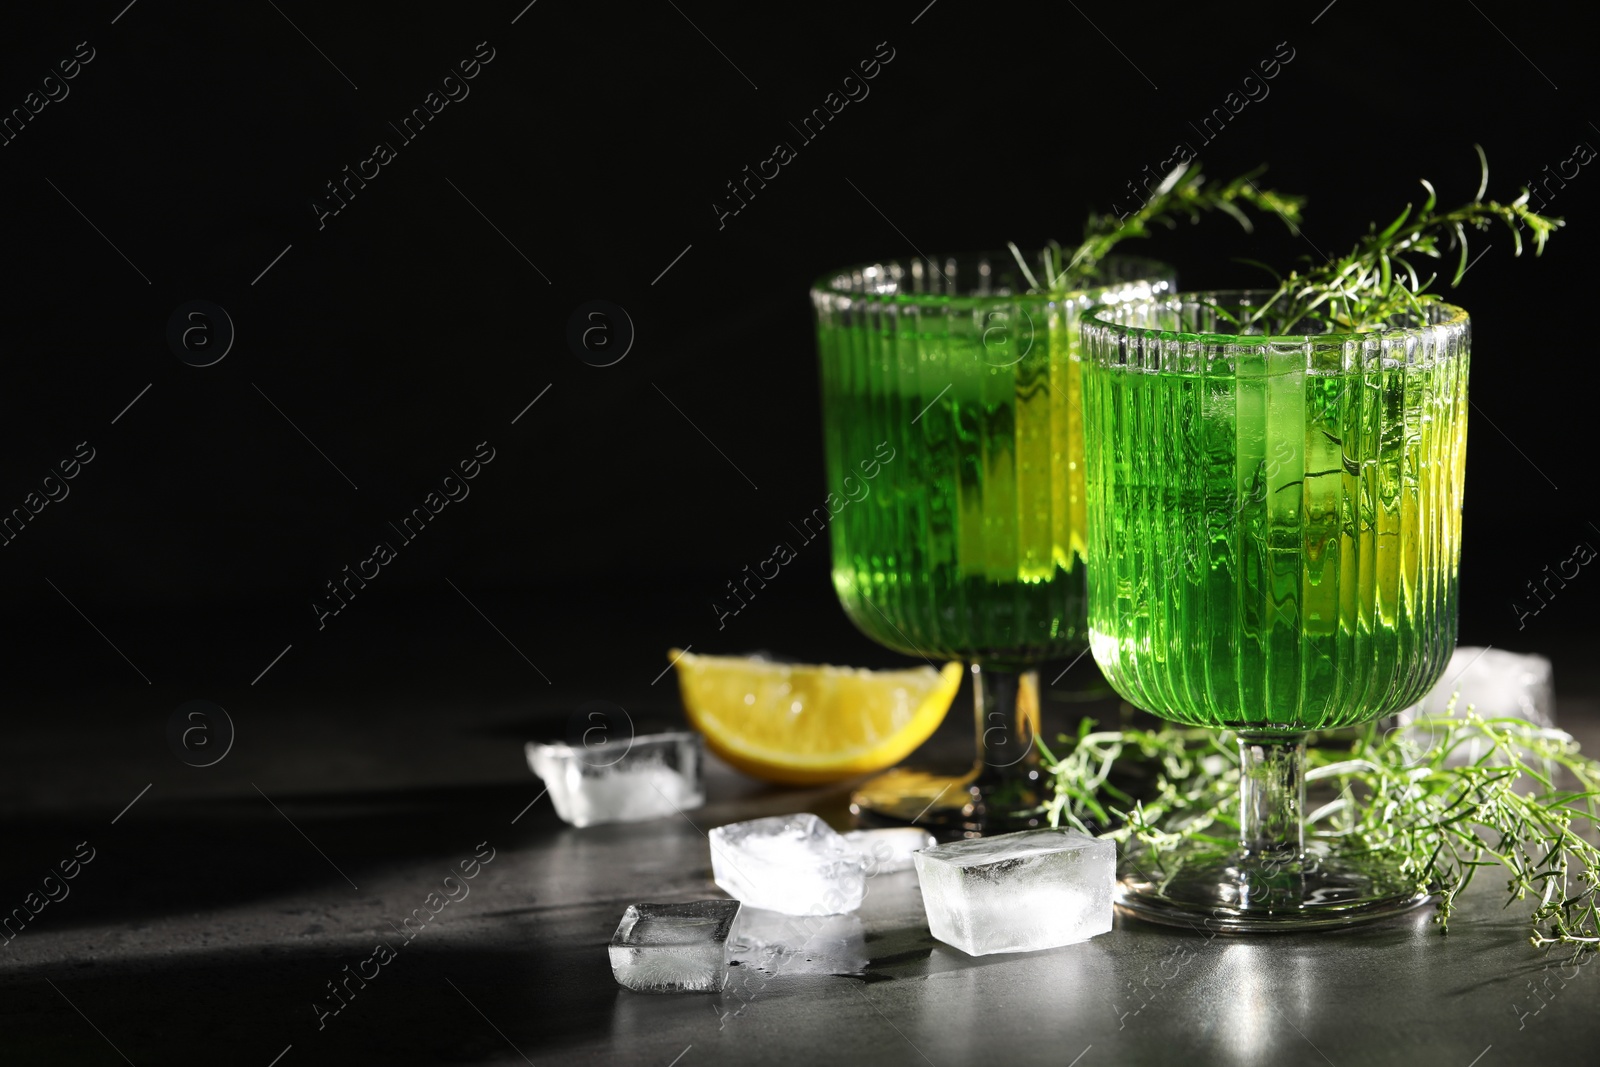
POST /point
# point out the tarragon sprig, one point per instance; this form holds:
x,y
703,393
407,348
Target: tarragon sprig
x,y
1509,807
1527,802
1377,281
1183,193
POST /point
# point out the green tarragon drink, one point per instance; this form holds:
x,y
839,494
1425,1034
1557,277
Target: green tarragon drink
x,y
1276,527
967,543
1274,535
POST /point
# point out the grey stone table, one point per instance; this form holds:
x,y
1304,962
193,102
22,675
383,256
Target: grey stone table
x,y
221,905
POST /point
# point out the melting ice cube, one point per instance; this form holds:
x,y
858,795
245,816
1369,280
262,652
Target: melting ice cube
x,y
795,864
674,948
658,774
1018,892
776,945
1496,684
889,850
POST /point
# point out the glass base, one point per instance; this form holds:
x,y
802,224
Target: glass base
x,y
1210,889
947,806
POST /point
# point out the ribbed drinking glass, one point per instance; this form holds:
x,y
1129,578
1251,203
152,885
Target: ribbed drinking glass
x,y
951,414
1274,533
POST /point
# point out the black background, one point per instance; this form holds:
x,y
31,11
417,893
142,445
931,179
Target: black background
x,y
411,327
184,564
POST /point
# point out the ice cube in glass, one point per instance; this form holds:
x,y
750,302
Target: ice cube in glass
x,y
1018,892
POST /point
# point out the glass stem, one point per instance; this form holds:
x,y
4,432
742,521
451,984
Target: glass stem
x,y
1272,797
1006,704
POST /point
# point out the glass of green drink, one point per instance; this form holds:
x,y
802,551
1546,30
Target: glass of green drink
x,y
951,418
1274,531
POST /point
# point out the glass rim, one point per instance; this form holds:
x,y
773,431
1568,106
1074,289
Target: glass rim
x,y
1140,269
1451,316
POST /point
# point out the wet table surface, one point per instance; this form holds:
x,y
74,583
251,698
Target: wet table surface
x,y
220,907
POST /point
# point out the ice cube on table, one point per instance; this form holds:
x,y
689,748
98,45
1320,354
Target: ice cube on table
x,y
656,775
1495,684
889,850
674,948
777,945
795,864
1018,892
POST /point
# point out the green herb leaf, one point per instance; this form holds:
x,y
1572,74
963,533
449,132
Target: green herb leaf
x,y
1183,193
1376,284
1440,823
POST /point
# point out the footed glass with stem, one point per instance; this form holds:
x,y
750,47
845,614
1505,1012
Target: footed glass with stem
x,y
1274,535
954,445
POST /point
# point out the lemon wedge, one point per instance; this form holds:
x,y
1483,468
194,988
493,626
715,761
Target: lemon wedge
x,y
801,724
